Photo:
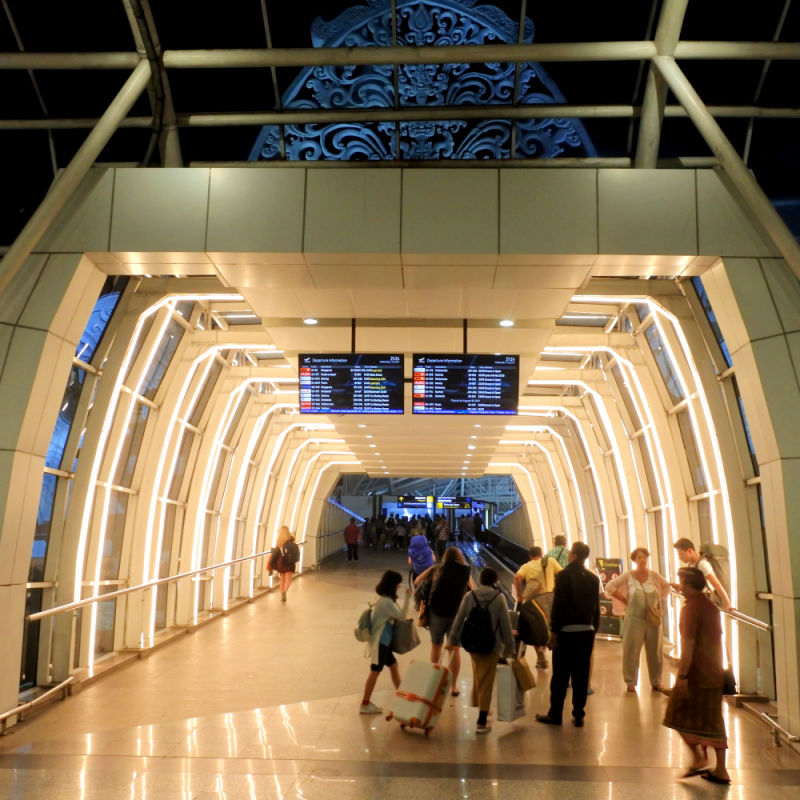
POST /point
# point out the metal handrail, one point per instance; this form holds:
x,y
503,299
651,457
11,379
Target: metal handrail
x,y
21,709
736,615
139,587
777,730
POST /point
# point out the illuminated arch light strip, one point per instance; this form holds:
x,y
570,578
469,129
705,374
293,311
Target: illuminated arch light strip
x,y
528,411
546,429
610,434
701,396
288,475
517,465
309,464
656,309
167,301
161,483
560,491
259,507
314,494
112,467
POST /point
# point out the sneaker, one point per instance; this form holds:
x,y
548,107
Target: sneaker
x,y
370,708
483,729
542,665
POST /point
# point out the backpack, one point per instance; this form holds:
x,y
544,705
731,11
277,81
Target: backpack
x,y
363,629
274,560
290,554
532,627
716,555
478,635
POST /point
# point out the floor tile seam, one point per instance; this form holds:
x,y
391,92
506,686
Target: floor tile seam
x,y
212,765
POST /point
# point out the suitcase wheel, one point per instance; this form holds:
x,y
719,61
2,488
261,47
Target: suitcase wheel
x,y
402,726
389,716
428,731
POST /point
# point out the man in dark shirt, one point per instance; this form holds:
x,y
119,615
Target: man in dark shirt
x,y
573,623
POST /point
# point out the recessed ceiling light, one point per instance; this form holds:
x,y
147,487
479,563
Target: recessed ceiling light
x,y
474,436
506,323
310,321
470,447
369,436
373,445
361,425
477,425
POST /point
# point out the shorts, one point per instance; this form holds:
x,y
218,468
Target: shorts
x,y
438,627
385,658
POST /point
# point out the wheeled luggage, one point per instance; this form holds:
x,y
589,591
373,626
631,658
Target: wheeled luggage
x,y
421,696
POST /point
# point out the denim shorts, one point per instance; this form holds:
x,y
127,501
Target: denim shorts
x,y
438,627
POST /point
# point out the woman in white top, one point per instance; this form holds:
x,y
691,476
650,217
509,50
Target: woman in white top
x,y
637,589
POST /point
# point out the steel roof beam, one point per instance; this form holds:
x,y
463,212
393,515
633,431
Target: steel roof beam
x,y
745,185
667,38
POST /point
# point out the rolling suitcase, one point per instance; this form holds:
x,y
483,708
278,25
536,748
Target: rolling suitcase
x,y
421,696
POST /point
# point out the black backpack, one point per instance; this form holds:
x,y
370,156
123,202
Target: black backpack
x,y
291,554
532,627
478,635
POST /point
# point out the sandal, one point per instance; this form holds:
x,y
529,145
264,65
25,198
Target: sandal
x,y
455,693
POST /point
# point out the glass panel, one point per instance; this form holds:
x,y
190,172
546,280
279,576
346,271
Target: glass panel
x,y
170,513
184,308
99,318
237,416
642,311
115,529
704,520
141,339
104,630
649,472
664,364
209,525
692,456
205,394
66,416
131,445
41,537
220,479
750,445
712,319
158,367
180,464
30,640
626,397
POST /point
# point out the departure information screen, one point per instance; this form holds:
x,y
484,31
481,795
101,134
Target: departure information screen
x,y
351,383
465,384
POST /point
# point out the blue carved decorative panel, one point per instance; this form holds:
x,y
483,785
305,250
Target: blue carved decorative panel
x,y
422,23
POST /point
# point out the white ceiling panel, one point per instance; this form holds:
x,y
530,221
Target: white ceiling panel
x,y
544,277
310,339
357,276
507,340
273,302
267,276
430,276
541,303
370,303
434,303
326,302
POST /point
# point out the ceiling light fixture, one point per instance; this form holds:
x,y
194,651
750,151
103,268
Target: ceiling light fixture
x,y
310,321
506,323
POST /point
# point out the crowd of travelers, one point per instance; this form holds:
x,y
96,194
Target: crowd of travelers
x,y
567,594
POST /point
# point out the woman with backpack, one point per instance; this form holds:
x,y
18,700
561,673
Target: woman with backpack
x,y
384,613
290,556
448,581
483,627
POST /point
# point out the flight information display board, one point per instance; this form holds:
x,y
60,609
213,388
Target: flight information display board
x,y
351,383
465,384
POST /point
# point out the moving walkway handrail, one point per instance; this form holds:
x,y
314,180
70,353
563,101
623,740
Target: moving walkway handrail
x,y
99,598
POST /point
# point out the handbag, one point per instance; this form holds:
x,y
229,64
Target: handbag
x,y
523,673
653,615
422,621
728,681
404,636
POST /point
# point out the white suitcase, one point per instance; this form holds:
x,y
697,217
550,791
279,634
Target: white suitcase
x,y
510,698
421,696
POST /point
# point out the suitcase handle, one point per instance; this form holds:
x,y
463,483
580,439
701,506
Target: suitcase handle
x,y
415,698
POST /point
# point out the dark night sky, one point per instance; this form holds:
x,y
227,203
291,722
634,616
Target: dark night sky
x,y
101,25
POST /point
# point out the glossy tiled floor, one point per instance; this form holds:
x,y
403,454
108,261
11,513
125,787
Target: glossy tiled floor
x,y
264,704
